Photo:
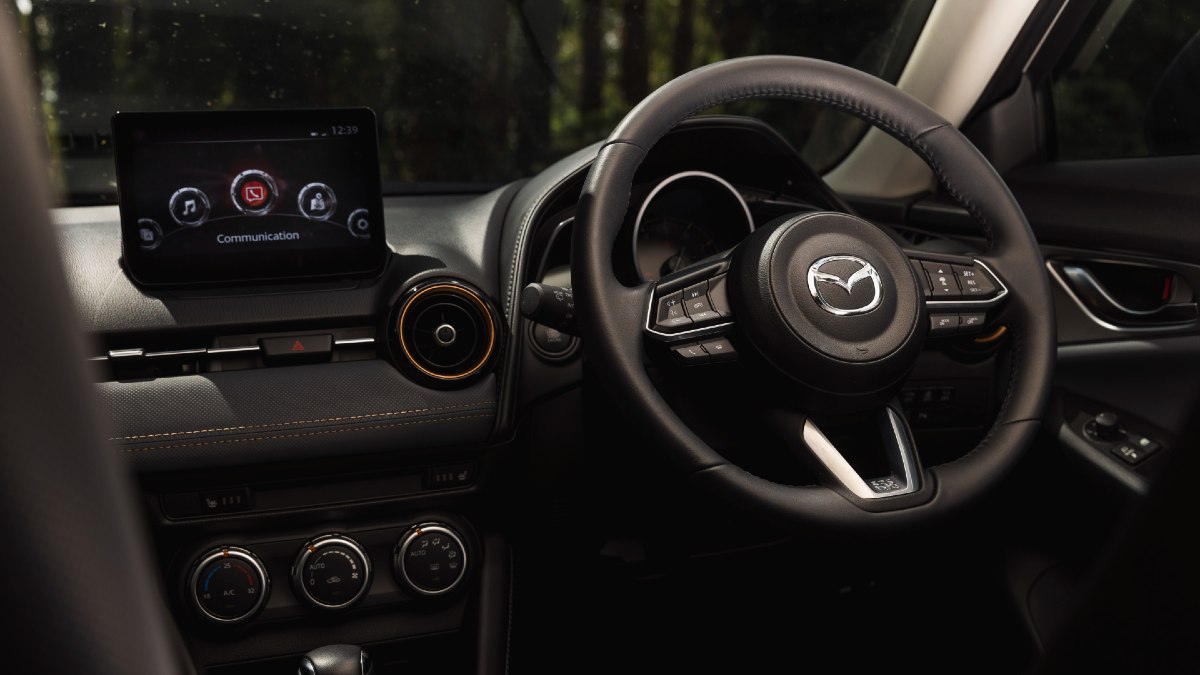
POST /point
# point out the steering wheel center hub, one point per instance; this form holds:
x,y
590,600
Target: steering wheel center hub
x,y
830,299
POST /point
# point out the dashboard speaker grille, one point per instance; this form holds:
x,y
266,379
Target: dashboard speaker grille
x,y
446,331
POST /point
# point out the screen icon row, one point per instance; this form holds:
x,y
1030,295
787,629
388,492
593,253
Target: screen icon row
x,y
253,193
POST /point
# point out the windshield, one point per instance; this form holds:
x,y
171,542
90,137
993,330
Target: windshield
x,y
468,94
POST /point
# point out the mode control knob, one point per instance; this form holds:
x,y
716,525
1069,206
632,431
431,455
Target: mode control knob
x,y
228,585
430,559
332,572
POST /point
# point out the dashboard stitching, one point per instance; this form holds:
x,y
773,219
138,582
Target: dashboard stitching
x,y
313,421
307,434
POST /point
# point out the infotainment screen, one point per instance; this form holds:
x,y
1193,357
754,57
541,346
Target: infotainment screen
x,y
223,197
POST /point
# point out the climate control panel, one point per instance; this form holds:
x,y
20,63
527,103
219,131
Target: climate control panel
x,y
332,572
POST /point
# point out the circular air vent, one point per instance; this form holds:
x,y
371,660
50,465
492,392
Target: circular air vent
x,y
446,331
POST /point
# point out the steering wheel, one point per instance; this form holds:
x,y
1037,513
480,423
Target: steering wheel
x,y
826,303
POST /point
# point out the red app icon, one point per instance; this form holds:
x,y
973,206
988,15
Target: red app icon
x,y
254,193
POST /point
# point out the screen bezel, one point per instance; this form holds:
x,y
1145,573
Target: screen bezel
x,y
268,266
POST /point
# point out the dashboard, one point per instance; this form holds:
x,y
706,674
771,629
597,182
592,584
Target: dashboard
x,y
319,456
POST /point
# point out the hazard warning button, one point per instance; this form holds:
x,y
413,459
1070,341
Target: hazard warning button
x,y
297,349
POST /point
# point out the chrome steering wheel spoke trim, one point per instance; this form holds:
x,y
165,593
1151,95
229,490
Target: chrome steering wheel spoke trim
x,y
905,476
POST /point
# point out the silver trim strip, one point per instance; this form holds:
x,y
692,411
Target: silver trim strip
x,y
1042,42
637,223
136,352
233,350
175,352
1066,287
900,457
324,541
219,554
354,341
954,304
97,358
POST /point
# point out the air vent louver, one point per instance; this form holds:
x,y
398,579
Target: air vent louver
x,y
446,331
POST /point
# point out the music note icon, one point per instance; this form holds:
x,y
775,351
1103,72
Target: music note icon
x,y
189,206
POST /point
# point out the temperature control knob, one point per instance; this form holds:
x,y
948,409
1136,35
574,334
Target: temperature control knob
x,y
332,572
430,559
228,585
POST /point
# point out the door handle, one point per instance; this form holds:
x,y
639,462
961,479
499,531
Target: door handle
x,y
1098,303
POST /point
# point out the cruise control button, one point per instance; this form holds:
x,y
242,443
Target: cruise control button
x,y
297,349
253,192
973,281
941,278
943,324
189,207
719,350
317,201
689,355
696,304
670,312
718,296
971,322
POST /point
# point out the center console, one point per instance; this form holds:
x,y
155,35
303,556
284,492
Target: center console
x,y
306,379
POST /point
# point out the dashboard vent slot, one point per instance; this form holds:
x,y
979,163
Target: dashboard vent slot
x,y
446,331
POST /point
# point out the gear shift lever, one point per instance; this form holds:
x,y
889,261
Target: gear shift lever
x,y
336,660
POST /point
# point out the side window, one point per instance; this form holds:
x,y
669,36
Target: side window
x,y
1130,84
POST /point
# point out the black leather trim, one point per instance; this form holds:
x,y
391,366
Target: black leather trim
x,y
78,593
276,414
609,313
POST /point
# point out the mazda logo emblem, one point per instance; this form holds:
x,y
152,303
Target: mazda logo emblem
x,y
833,281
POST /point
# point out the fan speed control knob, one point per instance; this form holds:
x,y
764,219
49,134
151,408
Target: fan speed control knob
x,y
332,572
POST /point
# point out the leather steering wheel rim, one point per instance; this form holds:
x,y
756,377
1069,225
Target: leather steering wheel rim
x,y
611,314
84,599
